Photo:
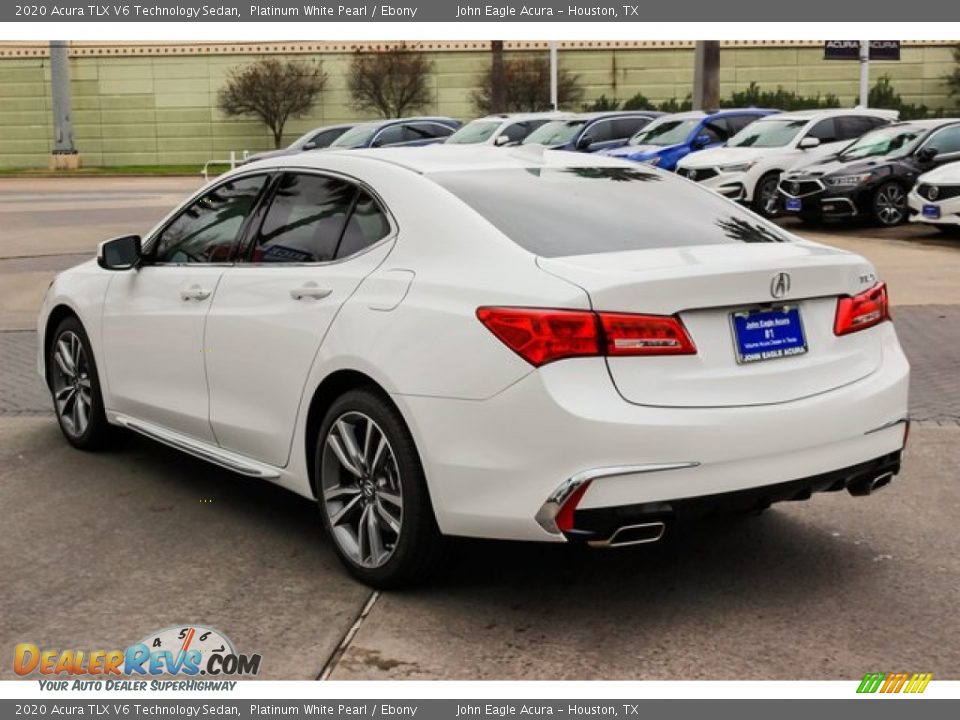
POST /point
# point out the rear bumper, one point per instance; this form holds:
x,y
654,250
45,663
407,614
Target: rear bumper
x,y
492,465
599,525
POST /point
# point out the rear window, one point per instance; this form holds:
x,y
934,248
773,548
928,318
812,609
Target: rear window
x,y
558,212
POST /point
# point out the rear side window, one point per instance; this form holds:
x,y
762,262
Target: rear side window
x,y
367,224
558,212
305,220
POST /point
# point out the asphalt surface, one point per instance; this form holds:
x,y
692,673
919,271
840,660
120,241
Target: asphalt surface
x,y
97,550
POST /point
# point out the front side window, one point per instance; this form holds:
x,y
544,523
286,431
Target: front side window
x,y
601,131
825,131
626,127
393,135
852,127
588,210
946,141
305,220
517,131
207,231
426,131
767,133
356,137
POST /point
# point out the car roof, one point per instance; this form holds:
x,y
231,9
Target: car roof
x,y
619,113
449,158
546,115
419,118
819,114
929,123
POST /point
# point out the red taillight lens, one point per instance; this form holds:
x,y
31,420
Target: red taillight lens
x,y
541,335
564,518
645,335
862,311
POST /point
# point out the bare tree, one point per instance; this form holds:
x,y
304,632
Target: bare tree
x,y
391,82
272,90
526,83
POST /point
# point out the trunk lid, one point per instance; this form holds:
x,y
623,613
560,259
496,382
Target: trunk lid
x,y
704,285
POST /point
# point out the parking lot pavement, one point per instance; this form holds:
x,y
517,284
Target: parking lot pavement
x,y
100,549
821,589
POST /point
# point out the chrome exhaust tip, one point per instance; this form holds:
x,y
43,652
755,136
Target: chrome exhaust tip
x,y
640,534
867,486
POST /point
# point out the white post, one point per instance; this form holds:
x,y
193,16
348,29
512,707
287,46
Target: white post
x,y
553,75
233,159
864,73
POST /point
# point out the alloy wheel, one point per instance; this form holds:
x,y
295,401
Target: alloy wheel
x,y
362,490
891,204
72,393
769,200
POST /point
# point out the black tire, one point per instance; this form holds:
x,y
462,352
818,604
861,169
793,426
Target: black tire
x,y
889,205
762,204
414,552
79,409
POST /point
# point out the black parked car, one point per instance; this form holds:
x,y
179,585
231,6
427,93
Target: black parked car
x,y
871,177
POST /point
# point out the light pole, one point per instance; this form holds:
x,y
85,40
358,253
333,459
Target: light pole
x,y
64,154
553,75
864,73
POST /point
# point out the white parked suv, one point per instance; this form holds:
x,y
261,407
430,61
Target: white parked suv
x,y
748,168
935,199
505,129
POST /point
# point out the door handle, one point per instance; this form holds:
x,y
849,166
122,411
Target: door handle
x,y
310,291
194,292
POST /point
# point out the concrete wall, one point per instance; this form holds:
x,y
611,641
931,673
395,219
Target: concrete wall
x,y
138,104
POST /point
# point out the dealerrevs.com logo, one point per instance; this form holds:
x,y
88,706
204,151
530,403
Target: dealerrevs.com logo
x,y
894,683
185,651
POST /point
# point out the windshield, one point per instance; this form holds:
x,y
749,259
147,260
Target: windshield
x,y
477,131
885,141
558,132
767,133
357,137
665,132
558,212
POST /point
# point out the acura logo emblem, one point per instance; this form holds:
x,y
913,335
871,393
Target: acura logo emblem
x,y
693,174
780,285
933,193
795,188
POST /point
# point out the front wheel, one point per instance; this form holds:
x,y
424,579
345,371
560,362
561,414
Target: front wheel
x,y
890,205
373,494
766,197
75,388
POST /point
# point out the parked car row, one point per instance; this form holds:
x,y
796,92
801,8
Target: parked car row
x,y
815,164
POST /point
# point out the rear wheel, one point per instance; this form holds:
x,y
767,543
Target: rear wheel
x,y
75,388
766,198
373,494
890,205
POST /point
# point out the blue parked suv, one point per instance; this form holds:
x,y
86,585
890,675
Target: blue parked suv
x,y
670,138
591,132
397,132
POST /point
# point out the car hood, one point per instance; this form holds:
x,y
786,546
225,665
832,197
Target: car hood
x,y
836,167
640,152
948,174
726,156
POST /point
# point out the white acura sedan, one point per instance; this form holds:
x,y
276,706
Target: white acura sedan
x,y
493,343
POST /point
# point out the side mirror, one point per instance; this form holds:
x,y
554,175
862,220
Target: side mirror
x,y
927,154
701,141
501,140
309,146
808,143
121,253
584,142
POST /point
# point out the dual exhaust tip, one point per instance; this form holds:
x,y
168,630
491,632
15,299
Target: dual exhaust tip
x,y
653,531
639,534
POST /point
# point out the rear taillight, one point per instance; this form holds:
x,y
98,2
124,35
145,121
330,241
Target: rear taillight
x,y
645,335
541,335
862,311
564,518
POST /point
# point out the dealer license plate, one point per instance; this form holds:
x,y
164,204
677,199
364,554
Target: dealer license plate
x,y
768,334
